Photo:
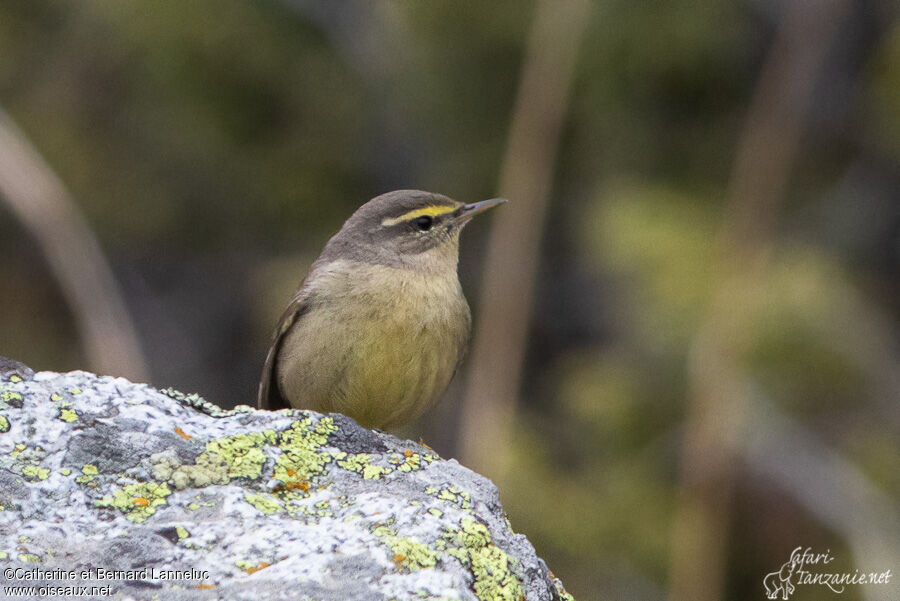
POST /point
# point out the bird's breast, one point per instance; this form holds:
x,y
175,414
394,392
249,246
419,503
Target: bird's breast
x,y
381,344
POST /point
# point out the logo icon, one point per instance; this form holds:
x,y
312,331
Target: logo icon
x,y
808,568
780,581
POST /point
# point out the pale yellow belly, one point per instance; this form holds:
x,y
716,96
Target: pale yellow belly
x,y
381,357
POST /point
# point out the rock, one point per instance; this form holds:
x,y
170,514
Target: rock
x,y
160,495
11,367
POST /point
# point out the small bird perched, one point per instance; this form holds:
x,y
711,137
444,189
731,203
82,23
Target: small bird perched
x,y
379,326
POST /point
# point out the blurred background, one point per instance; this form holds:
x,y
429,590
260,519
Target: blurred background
x,y
686,359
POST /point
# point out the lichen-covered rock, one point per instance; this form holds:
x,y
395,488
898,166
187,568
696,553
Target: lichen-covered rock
x,y
150,495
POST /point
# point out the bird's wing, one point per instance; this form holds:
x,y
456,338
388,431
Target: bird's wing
x,y
270,396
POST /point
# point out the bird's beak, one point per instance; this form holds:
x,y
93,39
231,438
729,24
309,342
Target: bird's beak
x,y
470,210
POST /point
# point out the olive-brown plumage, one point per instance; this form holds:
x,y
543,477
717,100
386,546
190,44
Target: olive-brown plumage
x,y
379,326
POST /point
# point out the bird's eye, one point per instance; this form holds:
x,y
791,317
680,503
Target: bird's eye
x,y
424,223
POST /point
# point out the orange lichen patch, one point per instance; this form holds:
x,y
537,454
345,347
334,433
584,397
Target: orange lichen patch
x,y
292,485
182,433
291,472
140,501
206,587
399,558
407,453
262,566
422,442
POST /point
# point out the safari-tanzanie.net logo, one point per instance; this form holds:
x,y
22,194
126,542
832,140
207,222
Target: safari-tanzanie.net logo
x,y
806,568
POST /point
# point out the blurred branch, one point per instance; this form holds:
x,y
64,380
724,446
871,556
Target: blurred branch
x,y
511,260
824,482
40,201
764,159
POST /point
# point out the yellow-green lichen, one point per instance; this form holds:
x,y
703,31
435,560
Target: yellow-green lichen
x,y
29,558
56,397
265,503
182,532
355,463
412,463
242,453
89,470
322,509
458,497
15,378
493,579
68,415
209,468
35,472
137,501
563,594
4,424
360,463
75,391
294,509
245,456
10,395
4,555
65,471
408,553
301,459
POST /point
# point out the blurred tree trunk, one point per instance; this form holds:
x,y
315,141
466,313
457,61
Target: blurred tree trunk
x,y
764,159
40,201
511,262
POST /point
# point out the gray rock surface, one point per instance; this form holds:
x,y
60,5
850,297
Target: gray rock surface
x,y
144,494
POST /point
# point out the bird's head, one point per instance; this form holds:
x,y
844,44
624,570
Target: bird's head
x,y
407,229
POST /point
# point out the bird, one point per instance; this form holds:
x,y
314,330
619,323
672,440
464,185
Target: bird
x,y
380,325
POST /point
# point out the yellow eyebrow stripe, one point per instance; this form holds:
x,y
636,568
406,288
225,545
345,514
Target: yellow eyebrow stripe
x,y
432,211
